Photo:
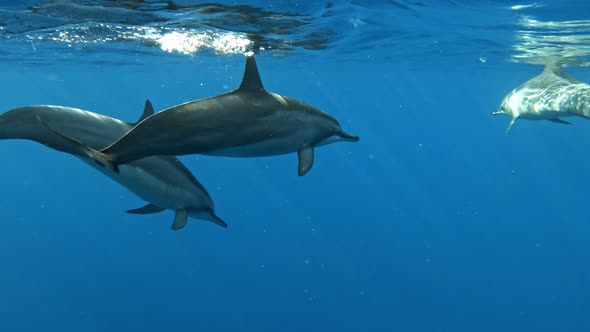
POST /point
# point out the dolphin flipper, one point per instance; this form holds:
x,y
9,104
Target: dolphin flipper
x,y
180,219
510,125
148,209
305,156
558,120
84,150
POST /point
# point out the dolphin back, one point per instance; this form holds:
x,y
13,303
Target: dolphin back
x,y
565,92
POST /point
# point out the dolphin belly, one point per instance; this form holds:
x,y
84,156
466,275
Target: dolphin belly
x,y
268,147
170,195
545,115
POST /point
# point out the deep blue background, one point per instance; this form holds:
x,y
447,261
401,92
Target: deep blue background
x,y
436,220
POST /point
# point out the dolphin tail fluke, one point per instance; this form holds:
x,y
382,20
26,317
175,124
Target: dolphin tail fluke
x,y
100,158
84,150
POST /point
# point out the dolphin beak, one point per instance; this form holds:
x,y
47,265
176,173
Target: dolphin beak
x,y
499,111
348,137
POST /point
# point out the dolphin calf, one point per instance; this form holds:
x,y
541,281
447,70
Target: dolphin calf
x,y
246,122
549,96
164,182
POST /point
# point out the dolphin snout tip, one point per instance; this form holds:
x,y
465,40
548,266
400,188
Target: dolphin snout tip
x,y
349,137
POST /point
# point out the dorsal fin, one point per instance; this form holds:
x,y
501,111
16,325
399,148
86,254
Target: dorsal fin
x,y
251,80
553,67
556,68
148,110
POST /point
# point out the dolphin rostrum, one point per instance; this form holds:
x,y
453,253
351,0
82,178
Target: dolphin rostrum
x,y
551,95
164,182
246,122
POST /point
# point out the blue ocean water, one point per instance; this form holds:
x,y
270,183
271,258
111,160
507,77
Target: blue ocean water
x,y
436,220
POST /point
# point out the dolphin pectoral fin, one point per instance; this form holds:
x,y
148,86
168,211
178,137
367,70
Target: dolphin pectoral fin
x,y
180,218
82,149
510,125
148,209
558,120
305,157
148,110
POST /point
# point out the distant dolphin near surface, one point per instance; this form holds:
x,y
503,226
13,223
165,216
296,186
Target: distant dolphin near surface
x,y
247,122
164,182
549,96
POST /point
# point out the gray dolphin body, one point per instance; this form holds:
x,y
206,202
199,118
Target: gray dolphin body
x,y
164,182
549,96
247,122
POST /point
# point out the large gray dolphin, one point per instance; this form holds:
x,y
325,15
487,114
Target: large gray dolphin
x,y
549,96
247,122
164,182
